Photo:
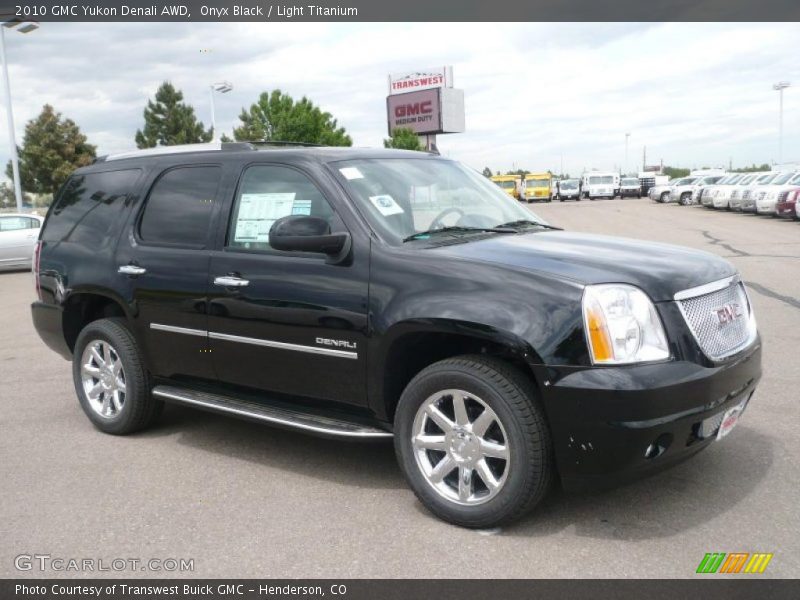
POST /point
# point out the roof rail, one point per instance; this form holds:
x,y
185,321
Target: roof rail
x,y
283,143
177,149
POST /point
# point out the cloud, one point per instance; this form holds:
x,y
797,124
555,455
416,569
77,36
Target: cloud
x,y
536,94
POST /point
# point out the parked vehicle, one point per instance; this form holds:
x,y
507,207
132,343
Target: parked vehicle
x,y
767,199
366,294
510,184
569,189
600,185
786,207
18,235
537,187
660,193
721,189
630,186
751,192
705,183
735,201
651,179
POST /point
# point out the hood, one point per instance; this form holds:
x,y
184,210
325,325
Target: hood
x,y
660,270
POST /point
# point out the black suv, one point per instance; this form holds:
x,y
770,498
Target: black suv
x,y
378,293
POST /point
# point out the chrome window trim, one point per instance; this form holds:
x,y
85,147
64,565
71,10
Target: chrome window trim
x,y
706,288
174,329
282,345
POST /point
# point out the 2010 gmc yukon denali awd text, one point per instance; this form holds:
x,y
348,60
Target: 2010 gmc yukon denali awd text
x,y
378,293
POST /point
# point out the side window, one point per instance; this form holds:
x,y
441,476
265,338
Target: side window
x,y
178,210
13,223
34,224
267,193
88,206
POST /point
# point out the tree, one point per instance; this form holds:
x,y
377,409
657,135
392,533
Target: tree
x,y
169,121
487,172
674,172
753,169
51,149
278,117
403,139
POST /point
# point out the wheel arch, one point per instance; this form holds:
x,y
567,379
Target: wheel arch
x,y
82,307
411,345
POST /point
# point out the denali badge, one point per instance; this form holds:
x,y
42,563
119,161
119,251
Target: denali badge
x,y
336,343
728,313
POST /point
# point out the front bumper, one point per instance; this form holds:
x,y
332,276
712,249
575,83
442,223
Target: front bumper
x,y
634,192
765,207
605,420
786,210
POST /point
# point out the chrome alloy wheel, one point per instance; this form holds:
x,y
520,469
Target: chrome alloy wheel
x,y
461,447
103,378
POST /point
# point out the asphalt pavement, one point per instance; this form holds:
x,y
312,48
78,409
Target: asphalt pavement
x,y
245,500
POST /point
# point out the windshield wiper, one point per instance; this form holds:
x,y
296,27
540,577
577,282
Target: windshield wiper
x,y
529,223
457,229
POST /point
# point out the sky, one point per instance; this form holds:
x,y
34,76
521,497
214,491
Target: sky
x,y
537,95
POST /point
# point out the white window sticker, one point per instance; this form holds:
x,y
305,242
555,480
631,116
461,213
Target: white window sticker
x,y
351,173
257,213
386,205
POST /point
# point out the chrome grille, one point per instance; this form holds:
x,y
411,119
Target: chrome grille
x,y
735,195
745,194
717,335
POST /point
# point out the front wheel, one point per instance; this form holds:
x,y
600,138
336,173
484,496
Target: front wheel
x,y
472,441
111,381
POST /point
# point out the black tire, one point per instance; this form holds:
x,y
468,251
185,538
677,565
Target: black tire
x,y
513,398
663,197
139,409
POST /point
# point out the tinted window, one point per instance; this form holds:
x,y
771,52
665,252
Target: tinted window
x,y
88,206
178,210
267,193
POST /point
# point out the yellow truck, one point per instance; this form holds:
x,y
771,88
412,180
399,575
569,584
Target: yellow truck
x,y
511,184
537,187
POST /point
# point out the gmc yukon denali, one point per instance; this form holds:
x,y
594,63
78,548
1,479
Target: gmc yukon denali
x,y
390,294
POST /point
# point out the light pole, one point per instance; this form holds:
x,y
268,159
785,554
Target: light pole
x,y
223,87
627,135
779,87
22,27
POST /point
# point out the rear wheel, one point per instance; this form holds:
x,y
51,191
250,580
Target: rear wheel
x,y
111,381
472,441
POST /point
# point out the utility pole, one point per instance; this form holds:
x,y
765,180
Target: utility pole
x,y
779,87
627,135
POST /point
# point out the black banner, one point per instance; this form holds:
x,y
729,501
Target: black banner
x,y
403,589
406,10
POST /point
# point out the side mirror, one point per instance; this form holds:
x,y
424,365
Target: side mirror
x,y
301,233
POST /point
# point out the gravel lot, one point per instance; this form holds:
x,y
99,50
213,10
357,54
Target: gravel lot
x,y
244,500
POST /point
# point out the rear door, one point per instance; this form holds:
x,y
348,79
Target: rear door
x,y
287,322
162,263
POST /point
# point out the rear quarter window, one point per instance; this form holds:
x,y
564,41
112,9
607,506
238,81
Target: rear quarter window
x,y
88,206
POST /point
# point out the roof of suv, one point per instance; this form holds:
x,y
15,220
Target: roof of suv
x,y
247,150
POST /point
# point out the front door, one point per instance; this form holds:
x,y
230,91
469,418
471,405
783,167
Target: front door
x,y
164,261
286,322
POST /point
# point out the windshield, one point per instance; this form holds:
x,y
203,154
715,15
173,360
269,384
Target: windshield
x,y
686,181
782,178
630,181
746,179
537,182
795,179
600,180
568,184
765,179
730,180
507,185
710,180
403,196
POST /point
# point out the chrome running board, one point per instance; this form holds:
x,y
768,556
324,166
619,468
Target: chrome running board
x,y
280,416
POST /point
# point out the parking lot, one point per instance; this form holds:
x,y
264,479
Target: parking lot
x,y
243,500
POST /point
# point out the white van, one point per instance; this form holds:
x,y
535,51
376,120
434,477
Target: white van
x,y
600,185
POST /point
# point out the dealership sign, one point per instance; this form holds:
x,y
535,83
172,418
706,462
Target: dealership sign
x,y
424,79
429,111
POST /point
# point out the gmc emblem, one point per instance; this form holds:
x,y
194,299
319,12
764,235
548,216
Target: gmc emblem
x,y
728,313
418,108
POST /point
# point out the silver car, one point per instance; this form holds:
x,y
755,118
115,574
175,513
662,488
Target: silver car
x,y
18,236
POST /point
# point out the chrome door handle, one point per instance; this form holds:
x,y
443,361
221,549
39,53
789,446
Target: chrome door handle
x,y
231,281
131,270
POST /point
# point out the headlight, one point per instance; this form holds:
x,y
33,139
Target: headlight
x,y
622,325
